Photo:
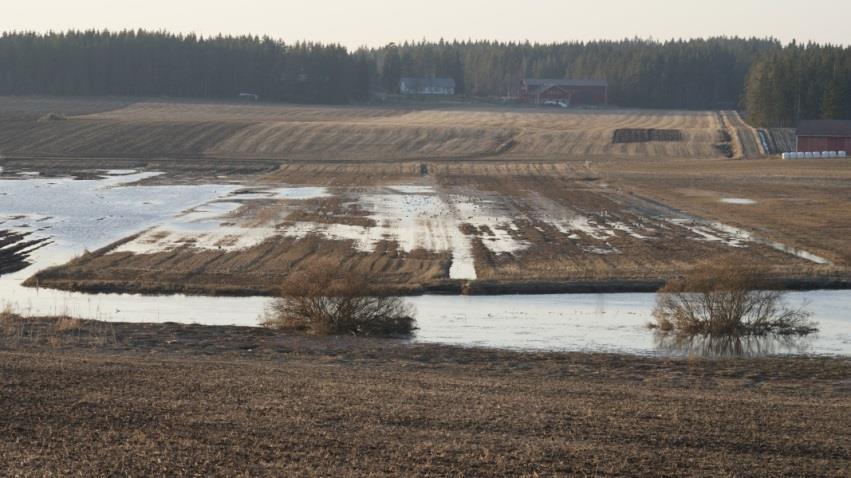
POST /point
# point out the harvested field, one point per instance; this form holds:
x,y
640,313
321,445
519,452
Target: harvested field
x,y
745,139
303,133
805,205
87,138
170,399
37,106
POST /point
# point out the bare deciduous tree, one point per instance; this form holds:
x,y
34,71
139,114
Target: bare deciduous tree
x,y
328,301
726,298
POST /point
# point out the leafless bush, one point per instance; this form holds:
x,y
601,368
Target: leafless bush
x,y
725,298
327,301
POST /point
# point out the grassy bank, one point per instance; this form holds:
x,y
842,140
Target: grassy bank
x,y
91,399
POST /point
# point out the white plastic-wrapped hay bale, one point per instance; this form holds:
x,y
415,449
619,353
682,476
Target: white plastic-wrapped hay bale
x,y
843,154
833,154
786,155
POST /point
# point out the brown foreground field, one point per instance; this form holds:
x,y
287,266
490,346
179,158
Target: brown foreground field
x,y
445,198
95,399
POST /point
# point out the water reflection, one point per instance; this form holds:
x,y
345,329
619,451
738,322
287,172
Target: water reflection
x,y
731,345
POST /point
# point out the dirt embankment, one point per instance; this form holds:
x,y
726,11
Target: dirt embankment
x,y
99,400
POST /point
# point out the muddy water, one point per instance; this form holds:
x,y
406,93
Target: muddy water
x,y
76,215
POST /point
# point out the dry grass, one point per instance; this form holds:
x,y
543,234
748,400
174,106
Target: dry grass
x,y
54,332
65,324
191,400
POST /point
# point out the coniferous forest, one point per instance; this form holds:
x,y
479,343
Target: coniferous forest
x,y
775,84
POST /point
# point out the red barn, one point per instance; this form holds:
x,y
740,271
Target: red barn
x,y
824,135
565,92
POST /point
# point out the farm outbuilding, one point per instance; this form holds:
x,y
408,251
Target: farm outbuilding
x,y
427,86
823,136
564,92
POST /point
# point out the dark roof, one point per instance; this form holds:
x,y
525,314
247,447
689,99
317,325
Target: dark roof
x,y
556,82
825,128
416,83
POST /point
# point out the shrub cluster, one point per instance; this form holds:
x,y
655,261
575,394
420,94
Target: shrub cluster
x,y
725,298
328,301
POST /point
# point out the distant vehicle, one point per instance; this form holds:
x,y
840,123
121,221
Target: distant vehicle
x,y
557,103
249,96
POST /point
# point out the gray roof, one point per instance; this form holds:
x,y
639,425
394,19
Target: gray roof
x,y
417,83
825,128
556,82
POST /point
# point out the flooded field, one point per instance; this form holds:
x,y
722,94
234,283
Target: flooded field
x,y
97,212
444,234
182,202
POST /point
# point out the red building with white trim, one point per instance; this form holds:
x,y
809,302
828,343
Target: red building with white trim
x,y
566,92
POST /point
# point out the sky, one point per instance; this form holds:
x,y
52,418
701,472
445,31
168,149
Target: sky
x,y
356,23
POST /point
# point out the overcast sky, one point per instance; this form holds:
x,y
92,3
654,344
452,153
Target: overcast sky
x,y
374,22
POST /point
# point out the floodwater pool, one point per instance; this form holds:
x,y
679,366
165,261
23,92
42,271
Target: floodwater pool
x,y
80,215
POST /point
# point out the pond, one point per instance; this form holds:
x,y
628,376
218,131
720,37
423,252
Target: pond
x,y
76,215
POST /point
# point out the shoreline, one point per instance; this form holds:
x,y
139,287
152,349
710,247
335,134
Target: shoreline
x,y
447,288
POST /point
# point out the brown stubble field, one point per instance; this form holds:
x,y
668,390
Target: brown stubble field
x,y
92,399
536,170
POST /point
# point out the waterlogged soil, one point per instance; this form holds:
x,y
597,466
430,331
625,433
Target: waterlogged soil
x,y
104,399
446,234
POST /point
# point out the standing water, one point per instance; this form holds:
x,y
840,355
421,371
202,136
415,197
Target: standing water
x,y
88,214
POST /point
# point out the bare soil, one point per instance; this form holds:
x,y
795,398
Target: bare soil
x,y
94,399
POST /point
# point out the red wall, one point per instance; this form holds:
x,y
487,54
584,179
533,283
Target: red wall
x,y
811,144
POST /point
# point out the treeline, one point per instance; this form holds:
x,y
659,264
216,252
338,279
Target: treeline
x,y
799,82
641,73
131,63
777,84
